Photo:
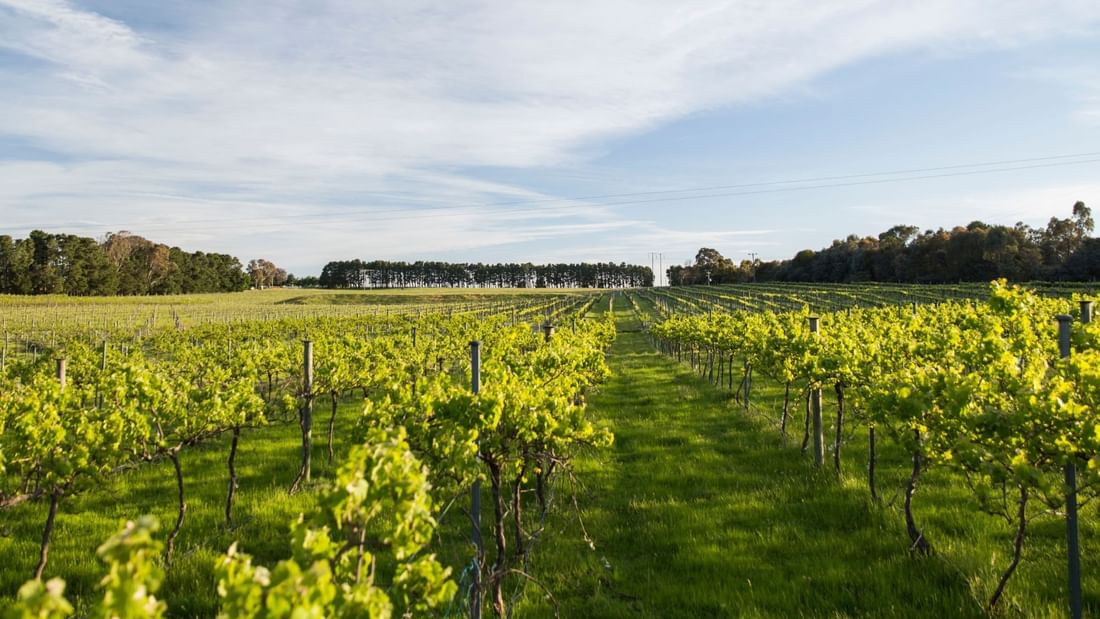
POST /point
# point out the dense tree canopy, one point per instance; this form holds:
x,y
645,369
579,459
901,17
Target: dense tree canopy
x,y
383,274
1063,250
123,263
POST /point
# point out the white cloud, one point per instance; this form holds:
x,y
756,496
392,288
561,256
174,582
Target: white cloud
x,y
249,111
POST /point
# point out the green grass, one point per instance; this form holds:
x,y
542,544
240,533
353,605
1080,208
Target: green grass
x,y
425,296
272,296
702,510
267,462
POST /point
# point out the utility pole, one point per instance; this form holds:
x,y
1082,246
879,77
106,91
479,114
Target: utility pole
x,y
660,273
753,255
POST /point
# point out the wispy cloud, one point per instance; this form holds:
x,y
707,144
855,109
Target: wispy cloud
x,y
293,129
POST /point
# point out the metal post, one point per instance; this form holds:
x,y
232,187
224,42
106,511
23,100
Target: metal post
x,y
815,410
61,363
475,493
1073,549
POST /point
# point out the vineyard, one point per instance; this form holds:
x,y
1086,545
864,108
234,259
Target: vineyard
x,y
741,450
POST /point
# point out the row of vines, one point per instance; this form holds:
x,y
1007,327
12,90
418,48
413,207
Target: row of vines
x,y
448,401
984,389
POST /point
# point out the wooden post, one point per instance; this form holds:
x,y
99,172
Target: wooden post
x,y
548,331
103,370
306,418
475,494
1073,549
1086,312
815,411
61,363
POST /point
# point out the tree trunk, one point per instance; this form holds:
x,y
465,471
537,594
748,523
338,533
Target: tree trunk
x,y
497,578
232,475
47,531
170,545
1017,549
919,543
517,512
544,476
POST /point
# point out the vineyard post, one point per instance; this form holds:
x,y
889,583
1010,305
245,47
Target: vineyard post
x,y
4,354
307,407
1073,550
548,330
475,493
1086,312
103,370
815,410
61,363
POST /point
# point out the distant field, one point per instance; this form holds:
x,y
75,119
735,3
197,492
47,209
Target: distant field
x,y
149,313
422,295
274,296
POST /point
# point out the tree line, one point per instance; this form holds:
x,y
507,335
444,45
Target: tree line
x,y
1062,250
120,264
386,274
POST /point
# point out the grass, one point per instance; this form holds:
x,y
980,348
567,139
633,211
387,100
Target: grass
x,y
266,464
426,296
702,510
280,295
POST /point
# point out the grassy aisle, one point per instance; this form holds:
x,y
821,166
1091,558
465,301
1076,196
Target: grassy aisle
x,y
263,512
697,512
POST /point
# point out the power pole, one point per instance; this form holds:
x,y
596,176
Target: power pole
x,y
753,255
660,273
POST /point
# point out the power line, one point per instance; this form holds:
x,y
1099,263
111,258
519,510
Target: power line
x,y
716,191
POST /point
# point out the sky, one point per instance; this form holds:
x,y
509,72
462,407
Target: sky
x,y
316,130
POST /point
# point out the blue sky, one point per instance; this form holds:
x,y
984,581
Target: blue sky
x,y
309,131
